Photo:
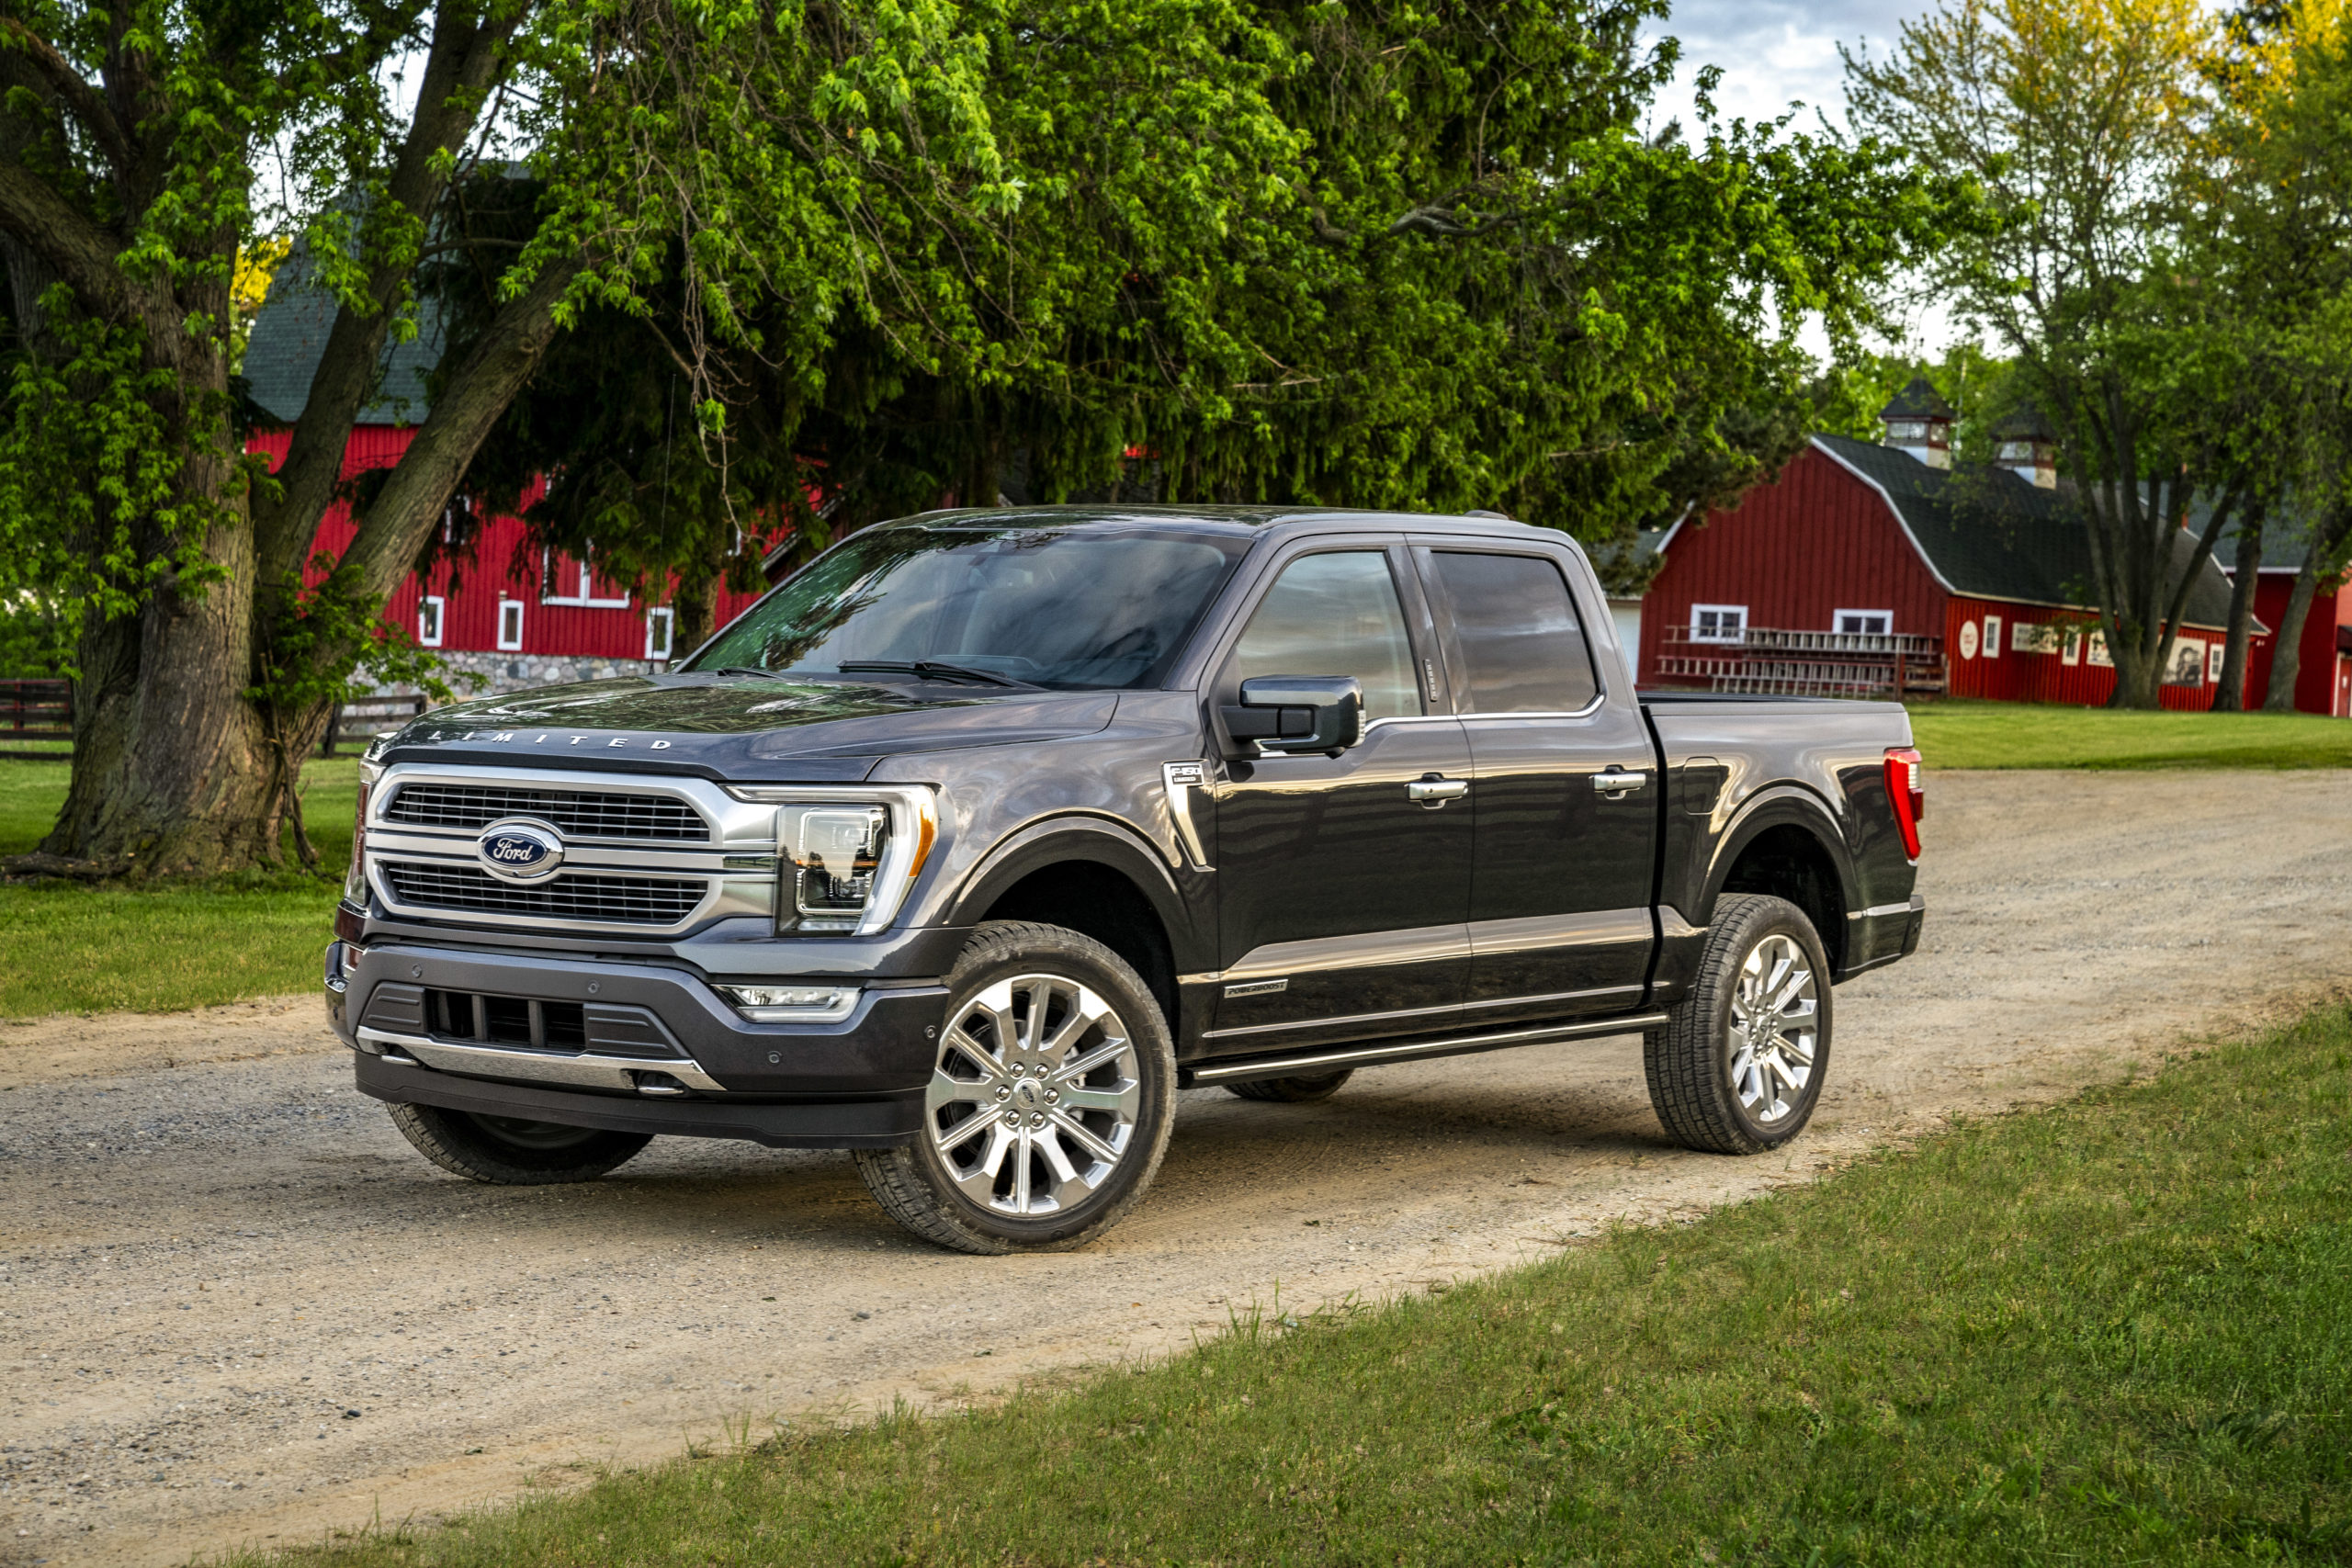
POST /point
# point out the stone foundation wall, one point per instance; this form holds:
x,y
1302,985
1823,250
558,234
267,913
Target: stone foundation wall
x,y
504,672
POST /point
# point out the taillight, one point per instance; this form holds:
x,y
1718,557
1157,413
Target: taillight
x,y
1906,791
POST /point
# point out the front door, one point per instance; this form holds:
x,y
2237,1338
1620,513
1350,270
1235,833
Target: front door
x,y
1565,789
1342,897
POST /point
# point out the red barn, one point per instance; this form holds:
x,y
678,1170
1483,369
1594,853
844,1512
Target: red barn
x,y
1866,569
2324,670
511,618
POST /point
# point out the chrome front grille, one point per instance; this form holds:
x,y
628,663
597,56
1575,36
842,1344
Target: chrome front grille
x,y
578,813
572,897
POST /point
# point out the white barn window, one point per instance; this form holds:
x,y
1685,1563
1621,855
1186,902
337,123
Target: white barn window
x,y
571,582
429,611
658,626
1863,623
510,626
1718,623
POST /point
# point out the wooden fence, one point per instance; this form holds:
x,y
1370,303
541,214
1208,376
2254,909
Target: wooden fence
x,y
35,710
43,710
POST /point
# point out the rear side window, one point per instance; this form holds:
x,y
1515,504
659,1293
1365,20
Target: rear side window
x,y
1518,632
1334,615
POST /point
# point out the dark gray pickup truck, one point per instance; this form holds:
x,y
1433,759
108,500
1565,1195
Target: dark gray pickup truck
x,y
987,832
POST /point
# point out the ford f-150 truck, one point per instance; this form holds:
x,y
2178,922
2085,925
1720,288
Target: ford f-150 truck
x,y
985,834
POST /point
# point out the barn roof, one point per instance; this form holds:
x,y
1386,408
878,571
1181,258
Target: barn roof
x,y
1988,533
290,338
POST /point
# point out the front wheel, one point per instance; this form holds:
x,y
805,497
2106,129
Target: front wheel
x,y
1049,1104
1738,1066
509,1152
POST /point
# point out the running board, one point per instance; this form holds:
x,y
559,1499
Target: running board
x,y
1348,1057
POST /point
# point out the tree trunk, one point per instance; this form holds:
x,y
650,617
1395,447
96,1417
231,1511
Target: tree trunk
x,y
694,610
2230,697
2286,654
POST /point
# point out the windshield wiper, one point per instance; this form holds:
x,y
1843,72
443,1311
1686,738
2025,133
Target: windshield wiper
x,y
743,670
929,669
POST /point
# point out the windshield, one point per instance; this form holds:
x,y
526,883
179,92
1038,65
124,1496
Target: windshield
x,y
1070,608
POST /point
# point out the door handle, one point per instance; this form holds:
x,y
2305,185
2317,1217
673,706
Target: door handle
x,y
1436,789
1616,785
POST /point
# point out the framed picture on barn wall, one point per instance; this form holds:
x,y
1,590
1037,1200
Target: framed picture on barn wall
x,y
2035,637
2073,653
2187,665
2101,658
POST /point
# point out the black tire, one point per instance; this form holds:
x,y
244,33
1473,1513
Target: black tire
x,y
508,1151
981,1194
1294,1092
1710,1093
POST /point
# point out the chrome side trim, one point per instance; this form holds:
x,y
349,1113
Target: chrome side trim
x,y
1369,950
1455,1045
1443,1010
1673,927
1180,780
1876,911
585,1071
1589,927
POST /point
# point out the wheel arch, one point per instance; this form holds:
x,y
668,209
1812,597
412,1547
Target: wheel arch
x,y
1094,877
1785,842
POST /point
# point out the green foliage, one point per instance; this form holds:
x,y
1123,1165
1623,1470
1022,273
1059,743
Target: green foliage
x,y
1386,256
2110,1331
303,666
92,511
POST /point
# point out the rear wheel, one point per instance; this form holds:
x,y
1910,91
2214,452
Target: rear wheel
x,y
510,1152
1050,1103
1738,1066
1294,1090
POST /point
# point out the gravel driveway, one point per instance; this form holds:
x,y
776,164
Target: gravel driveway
x,y
235,1307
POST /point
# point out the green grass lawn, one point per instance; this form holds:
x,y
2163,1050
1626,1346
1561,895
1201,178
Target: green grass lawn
x,y
69,948
2111,1332
1970,734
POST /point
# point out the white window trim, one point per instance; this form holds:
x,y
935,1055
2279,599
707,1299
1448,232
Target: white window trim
x,y
1992,636
668,620
1838,615
505,646
2072,653
439,606
586,598
1739,610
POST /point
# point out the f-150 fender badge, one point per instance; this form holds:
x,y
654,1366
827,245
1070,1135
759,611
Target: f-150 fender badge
x,y
520,849
1257,987
1180,779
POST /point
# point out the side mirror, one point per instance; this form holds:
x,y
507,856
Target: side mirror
x,y
1299,713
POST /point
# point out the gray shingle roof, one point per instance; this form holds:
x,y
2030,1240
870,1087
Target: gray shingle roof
x,y
1991,535
289,337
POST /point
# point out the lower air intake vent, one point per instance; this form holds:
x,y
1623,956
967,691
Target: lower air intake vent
x,y
613,900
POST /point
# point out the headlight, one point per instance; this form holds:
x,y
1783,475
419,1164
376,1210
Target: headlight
x,y
844,864
355,880
830,856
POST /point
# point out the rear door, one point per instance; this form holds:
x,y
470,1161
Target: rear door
x,y
1564,790
1341,898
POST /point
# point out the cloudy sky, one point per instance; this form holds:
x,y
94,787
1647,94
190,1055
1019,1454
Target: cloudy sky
x,y
1774,52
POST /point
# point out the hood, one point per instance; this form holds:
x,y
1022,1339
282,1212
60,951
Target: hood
x,y
738,728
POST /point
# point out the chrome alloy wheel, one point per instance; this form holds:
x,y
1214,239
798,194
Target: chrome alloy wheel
x,y
1034,1101
1774,1012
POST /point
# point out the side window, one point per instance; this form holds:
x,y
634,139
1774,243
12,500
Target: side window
x,y
1334,615
1519,635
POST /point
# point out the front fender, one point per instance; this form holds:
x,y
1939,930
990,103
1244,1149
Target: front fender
x,y
1101,841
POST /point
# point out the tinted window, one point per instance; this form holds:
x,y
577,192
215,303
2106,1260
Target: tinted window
x,y
1058,607
1518,634
1334,615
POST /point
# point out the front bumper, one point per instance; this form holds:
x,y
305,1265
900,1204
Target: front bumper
x,y
656,1049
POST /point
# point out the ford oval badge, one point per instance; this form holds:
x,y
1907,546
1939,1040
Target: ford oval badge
x,y
520,849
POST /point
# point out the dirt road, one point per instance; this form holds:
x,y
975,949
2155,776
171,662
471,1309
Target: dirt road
x,y
235,1307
